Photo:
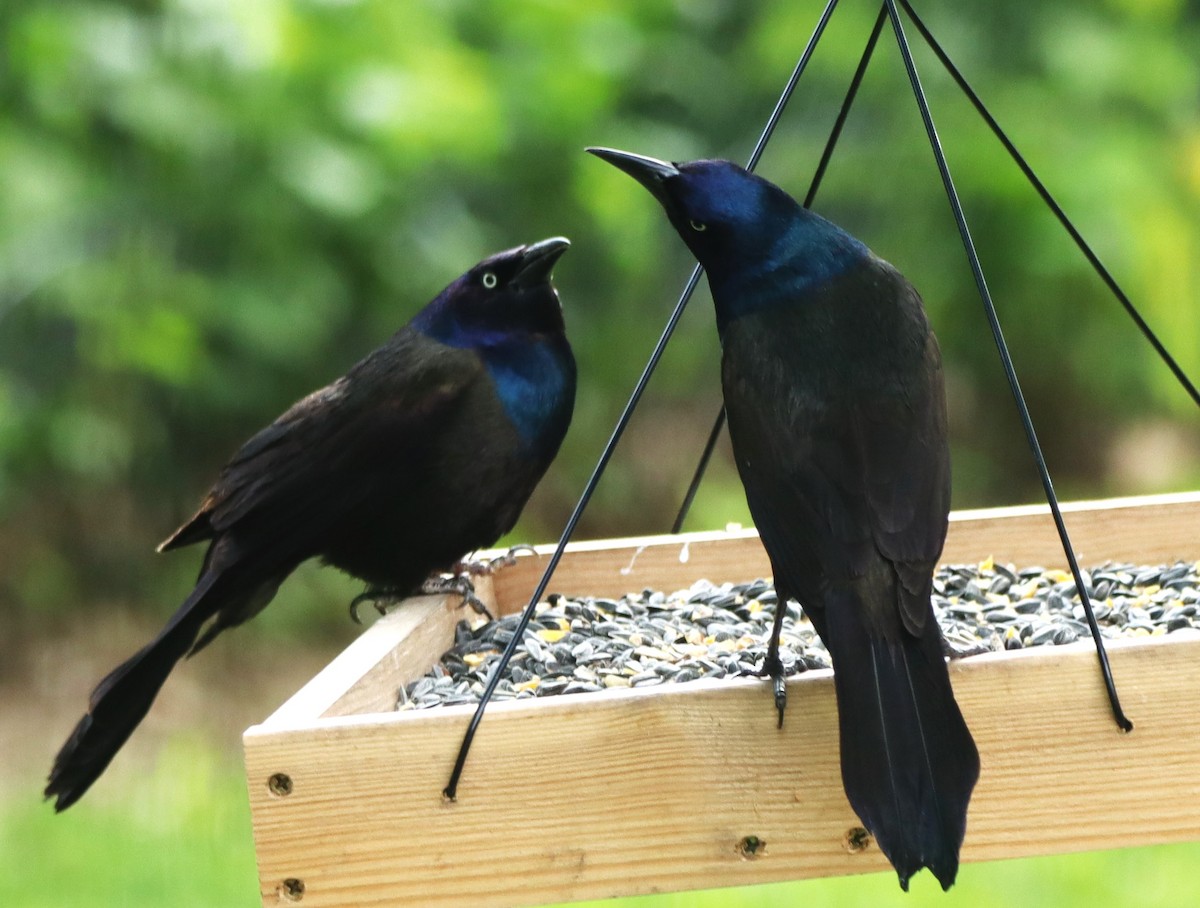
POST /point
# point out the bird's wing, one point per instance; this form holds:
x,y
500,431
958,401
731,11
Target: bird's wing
x,y
843,468
906,480
381,413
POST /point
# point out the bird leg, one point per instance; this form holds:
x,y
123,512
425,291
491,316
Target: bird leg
x,y
773,665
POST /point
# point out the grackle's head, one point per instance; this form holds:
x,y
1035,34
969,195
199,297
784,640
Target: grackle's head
x,y
505,297
738,225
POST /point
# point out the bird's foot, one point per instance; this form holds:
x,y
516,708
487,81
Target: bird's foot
x,y
381,598
459,583
385,598
490,566
951,652
773,668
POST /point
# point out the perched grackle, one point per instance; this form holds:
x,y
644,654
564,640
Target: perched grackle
x,y
833,388
424,451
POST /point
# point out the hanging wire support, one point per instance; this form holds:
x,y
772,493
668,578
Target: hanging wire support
x,y
1006,360
818,176
851,93
1042,191
698,477
451,790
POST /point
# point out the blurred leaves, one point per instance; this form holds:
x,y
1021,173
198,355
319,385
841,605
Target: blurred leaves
x,y
208,208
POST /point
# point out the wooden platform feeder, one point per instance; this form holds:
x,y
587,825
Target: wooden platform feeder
x,y
691,786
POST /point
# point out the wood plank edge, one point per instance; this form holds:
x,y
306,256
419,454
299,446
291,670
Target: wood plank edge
x,y
970,515
347,669
989,677
307,723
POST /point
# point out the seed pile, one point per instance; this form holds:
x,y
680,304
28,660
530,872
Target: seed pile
x,y
711,631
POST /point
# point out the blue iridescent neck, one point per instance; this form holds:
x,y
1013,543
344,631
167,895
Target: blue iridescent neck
x,y
535,383
760,272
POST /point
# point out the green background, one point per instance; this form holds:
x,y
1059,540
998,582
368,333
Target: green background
x,y
210,207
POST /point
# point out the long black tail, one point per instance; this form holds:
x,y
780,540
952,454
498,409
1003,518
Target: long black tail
x,y
122,699
908,760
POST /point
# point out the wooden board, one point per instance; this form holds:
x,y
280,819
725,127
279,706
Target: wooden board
x,y
1150,529
635,791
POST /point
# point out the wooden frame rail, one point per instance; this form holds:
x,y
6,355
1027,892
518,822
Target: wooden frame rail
x,y
632,791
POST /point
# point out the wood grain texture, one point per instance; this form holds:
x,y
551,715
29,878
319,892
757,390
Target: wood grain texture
x,y
636,791
1150,529
398,648
619,793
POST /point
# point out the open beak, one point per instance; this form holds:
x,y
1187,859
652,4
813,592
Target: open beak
x,y
650,172
537,261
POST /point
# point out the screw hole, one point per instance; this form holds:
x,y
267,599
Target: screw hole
x,y
293,889
280,785
750,847
856,840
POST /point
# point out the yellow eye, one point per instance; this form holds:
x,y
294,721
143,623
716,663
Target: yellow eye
x,y
489,280
698,226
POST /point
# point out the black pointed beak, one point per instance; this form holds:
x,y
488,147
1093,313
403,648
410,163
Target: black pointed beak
x,y
650,172
537,261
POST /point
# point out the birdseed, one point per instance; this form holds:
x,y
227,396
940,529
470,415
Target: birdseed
x,y
714,631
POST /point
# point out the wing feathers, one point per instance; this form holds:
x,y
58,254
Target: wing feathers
x,y
338,429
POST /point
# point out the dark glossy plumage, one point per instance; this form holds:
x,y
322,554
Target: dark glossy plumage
x,y
834,393
425,450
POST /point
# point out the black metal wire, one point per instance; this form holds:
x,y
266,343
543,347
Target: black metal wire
x,y
786,95
818,176
851,93
705,456
451,789
1042,191
1094,260
1005,359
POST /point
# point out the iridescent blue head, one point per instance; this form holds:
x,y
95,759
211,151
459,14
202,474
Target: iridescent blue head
x,y
507,311
759,246
506,296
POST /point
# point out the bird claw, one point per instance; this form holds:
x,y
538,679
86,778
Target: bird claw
x,y
380,598
460,584
485,568
383,598
951,653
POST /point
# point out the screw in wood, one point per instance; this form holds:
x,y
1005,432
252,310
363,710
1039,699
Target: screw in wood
x,y
292,889
856,840
750,847
280,784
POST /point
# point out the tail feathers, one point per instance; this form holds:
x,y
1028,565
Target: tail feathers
x,y
121,701
909,763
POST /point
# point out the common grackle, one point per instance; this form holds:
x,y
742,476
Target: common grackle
x,y
833,388
424,451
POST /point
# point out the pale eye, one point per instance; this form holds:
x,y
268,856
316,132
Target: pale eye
x,y
489,280
698,226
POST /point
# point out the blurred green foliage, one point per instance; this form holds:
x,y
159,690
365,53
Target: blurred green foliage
x,y
209,207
